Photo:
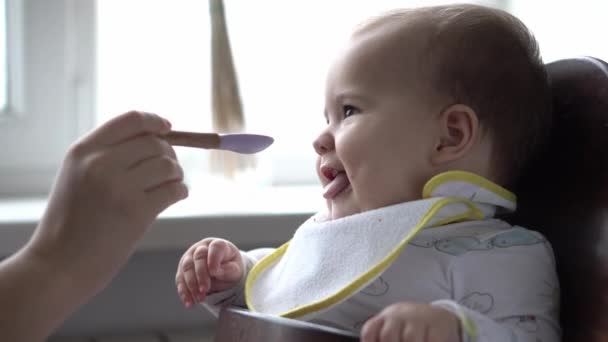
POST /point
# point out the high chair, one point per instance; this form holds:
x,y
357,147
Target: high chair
x,y
563,194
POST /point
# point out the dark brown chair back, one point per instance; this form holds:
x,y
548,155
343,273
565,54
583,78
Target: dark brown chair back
x,y
564,195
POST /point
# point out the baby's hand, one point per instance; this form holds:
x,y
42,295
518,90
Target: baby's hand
x,y
208,266
407,322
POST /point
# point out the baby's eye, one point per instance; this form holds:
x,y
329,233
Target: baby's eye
x,y
349,110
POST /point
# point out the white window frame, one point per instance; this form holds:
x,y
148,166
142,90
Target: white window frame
x,y
14,59
50,94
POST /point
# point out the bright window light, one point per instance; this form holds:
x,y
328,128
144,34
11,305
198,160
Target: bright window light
x,y
566,29
3,59
154,55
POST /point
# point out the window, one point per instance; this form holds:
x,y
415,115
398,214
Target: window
x,y
48,103
73,64
282,50
566,29
11,58
3,60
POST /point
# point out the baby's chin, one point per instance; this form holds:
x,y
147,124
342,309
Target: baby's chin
x,y
335,212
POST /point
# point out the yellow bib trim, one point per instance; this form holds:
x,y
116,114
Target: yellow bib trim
x,y
463,176
472,214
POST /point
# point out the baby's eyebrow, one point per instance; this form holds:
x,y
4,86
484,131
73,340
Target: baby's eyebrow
x,y
351,95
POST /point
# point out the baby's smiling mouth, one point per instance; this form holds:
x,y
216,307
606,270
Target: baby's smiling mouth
x,y
338,182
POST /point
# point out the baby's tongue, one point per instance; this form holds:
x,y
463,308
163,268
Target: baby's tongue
x,y
334,187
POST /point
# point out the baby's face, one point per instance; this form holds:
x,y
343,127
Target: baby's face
x,y
375,150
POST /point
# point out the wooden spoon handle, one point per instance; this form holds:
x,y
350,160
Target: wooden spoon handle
x,y
191,139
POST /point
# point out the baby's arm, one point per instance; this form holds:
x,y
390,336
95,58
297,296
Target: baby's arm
x,y
506,294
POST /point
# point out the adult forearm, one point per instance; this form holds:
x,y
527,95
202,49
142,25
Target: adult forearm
x,y
35,297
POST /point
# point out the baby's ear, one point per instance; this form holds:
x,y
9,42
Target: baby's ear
x,y
459,128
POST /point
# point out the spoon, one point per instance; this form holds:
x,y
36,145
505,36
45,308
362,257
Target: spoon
x,y
239,142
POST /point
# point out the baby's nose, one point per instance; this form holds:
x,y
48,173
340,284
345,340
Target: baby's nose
x,y
323,143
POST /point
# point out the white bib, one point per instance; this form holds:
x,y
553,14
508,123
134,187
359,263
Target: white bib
x,y
327,261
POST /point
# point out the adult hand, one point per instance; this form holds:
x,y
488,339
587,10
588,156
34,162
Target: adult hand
x,y
111,187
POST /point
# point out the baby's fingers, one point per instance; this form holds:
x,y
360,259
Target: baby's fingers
x,y
189,275
230,272
413,333
229,275
371,329
203,278
181,285
392,331
184,294
220,252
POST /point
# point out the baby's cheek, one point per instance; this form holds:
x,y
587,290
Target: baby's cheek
x,y
348,143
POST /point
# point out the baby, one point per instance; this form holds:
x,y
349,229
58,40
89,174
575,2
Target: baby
x,y
431,114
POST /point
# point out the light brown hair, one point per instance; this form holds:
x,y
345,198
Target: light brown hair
x,y
487,59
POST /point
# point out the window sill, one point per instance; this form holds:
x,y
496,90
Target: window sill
x,y
249,217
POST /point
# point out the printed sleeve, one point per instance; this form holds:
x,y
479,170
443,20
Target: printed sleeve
x,y
235,296
509,293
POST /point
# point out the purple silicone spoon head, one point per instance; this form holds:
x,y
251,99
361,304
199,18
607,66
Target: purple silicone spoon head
x,y
245,143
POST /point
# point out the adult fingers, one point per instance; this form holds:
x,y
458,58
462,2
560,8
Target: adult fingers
x,y
164,195
129,125
154,172
132,152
